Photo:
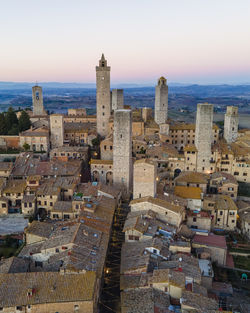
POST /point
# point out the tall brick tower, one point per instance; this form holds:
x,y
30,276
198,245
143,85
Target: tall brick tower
x,y
203,136
37,100
102,96
231,123
161,101
122,151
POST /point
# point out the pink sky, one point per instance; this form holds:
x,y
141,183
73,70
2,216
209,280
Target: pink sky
x,y
186,41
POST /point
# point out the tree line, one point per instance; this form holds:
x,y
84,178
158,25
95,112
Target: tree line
x,y
11,125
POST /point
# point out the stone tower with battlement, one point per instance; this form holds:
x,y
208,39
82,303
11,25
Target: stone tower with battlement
x,y
117,99
204,136
122,151
37,101
103,96
161,101
231,123
56,130
144,181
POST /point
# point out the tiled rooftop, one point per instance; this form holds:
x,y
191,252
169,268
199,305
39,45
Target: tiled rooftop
x,y
45,288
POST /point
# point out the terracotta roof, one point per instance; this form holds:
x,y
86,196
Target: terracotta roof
x,y
96,161
224,202
168,276
146,300
40,229
45,288
198,302
211,240
156,201
188,192
15,186
192,177
190,148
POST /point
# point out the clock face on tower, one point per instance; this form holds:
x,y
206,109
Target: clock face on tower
x,y
102,77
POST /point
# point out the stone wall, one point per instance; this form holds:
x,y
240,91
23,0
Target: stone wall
x,y
203,136
122,154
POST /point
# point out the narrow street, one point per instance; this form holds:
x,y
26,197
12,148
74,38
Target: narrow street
x,y
110,297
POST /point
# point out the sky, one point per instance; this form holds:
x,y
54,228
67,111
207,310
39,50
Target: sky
x,y
187,41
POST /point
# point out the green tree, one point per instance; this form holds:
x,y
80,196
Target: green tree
x,y
11,119
26,146
24,121
3,126
14,130
96,141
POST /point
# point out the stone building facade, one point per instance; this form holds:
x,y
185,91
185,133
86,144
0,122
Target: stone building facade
x,y
144,179
103,96
102,171
203,135
183,134
36,138
231,124
56,130
161,101
106,149
122,154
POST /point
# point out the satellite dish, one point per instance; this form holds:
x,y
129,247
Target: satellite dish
x,y
180,259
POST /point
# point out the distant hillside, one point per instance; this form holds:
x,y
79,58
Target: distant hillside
x,y
60,96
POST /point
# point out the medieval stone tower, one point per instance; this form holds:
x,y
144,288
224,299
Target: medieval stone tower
x,y
56,130
161,101
37,100
122,151
117,99
203,135
231,123
102,96
144,182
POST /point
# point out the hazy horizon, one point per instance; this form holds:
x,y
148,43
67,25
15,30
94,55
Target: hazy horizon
x,y
126,83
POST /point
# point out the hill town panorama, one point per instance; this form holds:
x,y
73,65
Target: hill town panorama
x,y
123,211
